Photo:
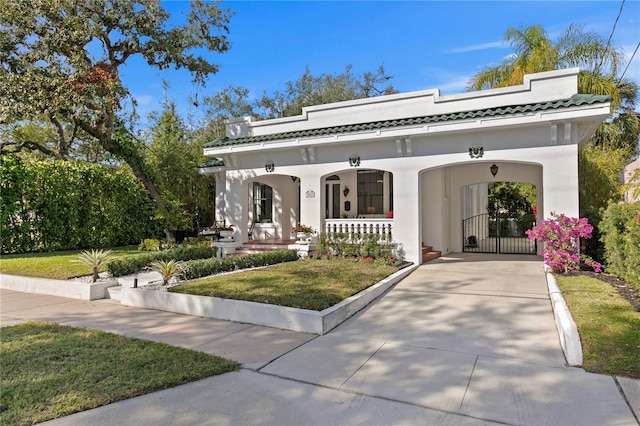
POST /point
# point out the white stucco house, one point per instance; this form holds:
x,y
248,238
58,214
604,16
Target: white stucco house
x,y
412,165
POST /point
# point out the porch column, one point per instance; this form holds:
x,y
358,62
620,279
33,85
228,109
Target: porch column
x,y
221,187
560,182
235,198
406,213
311,210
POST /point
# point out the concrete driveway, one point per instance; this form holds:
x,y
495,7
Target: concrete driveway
x,y
466,339
471,334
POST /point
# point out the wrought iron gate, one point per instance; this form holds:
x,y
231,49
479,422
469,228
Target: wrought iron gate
x,y
487,233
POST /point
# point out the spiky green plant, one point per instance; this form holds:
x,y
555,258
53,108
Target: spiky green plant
x,y
95,259
168,269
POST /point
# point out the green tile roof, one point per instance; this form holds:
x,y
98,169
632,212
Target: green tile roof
x,y
575,100
212,163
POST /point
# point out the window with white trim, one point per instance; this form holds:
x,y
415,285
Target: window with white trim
x,y
262,203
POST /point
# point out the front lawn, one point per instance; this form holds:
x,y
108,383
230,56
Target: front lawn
x,y
608,325
51,371
59,265
307,284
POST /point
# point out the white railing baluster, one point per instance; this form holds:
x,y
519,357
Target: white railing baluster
x,y
381,227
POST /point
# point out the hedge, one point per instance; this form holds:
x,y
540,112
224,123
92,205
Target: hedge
x,y
354,245
136,263
202,268
62,205
620,227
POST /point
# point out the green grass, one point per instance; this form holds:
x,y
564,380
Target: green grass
x,y
50,371
608,325
59,265
308,284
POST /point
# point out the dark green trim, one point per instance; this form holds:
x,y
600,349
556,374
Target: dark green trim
x,y
212,163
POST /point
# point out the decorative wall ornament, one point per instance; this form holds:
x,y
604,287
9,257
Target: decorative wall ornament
x,y
354,160
476,151
493,169
269,166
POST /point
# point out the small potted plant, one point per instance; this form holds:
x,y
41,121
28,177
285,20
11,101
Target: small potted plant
x,y
225,232
303,232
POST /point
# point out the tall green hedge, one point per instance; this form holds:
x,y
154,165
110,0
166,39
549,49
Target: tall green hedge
x,y
57,205
620,227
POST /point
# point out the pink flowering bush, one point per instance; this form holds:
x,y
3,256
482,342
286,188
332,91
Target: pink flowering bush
x,y
561,237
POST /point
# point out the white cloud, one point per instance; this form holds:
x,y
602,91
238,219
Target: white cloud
x,y
144,100
448,82
477,47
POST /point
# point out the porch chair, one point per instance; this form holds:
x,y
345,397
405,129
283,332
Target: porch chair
x,y
250,231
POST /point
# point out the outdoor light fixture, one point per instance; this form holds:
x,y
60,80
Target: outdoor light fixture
x,y
494,169
269,166
345,191
354,160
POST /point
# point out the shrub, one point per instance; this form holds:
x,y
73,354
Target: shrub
x,y
136,263
594,247
561,237
197,241
60,205
353,245
168,269
149,244
621,237
95,259
202,268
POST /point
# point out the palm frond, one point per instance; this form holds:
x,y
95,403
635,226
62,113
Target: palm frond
x,y
168,269
95,259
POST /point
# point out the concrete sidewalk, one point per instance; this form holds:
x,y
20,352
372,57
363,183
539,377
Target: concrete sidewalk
x,y
467,339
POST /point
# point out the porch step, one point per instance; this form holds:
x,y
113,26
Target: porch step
x,y
253,247
240,251
429,254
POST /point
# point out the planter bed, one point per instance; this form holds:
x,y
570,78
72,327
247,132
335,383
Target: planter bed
x,y
63,288
302,320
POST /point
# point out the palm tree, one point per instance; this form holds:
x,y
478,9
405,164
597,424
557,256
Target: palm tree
x,y
168,269
599,65
95,259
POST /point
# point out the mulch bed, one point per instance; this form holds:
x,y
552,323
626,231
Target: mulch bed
x,y
628,292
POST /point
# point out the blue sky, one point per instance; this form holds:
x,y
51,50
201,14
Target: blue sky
x,y
423,44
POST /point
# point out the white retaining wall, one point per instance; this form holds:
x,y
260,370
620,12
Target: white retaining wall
x,y
62,288
302,320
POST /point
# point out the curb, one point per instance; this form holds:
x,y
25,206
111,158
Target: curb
x,y
567,329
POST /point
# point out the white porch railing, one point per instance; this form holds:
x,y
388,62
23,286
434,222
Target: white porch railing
x,y
382,227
